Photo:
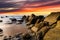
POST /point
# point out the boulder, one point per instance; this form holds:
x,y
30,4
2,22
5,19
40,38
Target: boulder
x,y
27,36
1,32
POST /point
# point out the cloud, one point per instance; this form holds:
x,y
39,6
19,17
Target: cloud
x,y
6,5
11,0
38,4
20,4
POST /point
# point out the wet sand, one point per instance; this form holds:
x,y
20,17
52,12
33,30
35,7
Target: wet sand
x,y
12,29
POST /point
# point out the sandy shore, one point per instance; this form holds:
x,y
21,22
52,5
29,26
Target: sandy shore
x,y
12,29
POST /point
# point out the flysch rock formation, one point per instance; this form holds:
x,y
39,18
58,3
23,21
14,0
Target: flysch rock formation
x,y
52,17
52,21
53,34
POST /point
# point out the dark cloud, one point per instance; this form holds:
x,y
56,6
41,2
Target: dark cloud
x,y
3,0
42,0
42,4
6,5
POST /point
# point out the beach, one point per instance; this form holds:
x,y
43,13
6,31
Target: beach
x,y
12,29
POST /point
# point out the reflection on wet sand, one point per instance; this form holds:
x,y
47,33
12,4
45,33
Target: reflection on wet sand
x,y
12,29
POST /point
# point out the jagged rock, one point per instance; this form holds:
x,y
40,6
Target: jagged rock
x,y
53,34
52,18
27,19
38,23
38,26
27,36
41,33
32,19
23,17
43,27
35,27
41,18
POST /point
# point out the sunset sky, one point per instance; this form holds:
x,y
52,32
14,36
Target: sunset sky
x,y
27,7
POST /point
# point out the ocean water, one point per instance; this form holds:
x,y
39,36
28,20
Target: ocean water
x,y
7,19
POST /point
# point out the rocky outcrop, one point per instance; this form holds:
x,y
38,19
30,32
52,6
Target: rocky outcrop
x,y
44,26
52,18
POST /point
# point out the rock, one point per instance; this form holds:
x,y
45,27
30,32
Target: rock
x,y
52,18
23,17
41,18
58,18
5,38
27,19
58,24
32,19
13,20
43,27
53,34
27,37
38,26
41,33
1,20
1,31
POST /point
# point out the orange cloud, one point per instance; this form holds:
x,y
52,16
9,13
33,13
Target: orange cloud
x,y
37,11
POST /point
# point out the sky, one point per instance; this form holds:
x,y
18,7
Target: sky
x,y
27,7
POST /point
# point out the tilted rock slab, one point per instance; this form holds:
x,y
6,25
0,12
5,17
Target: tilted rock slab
x,y
52,18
